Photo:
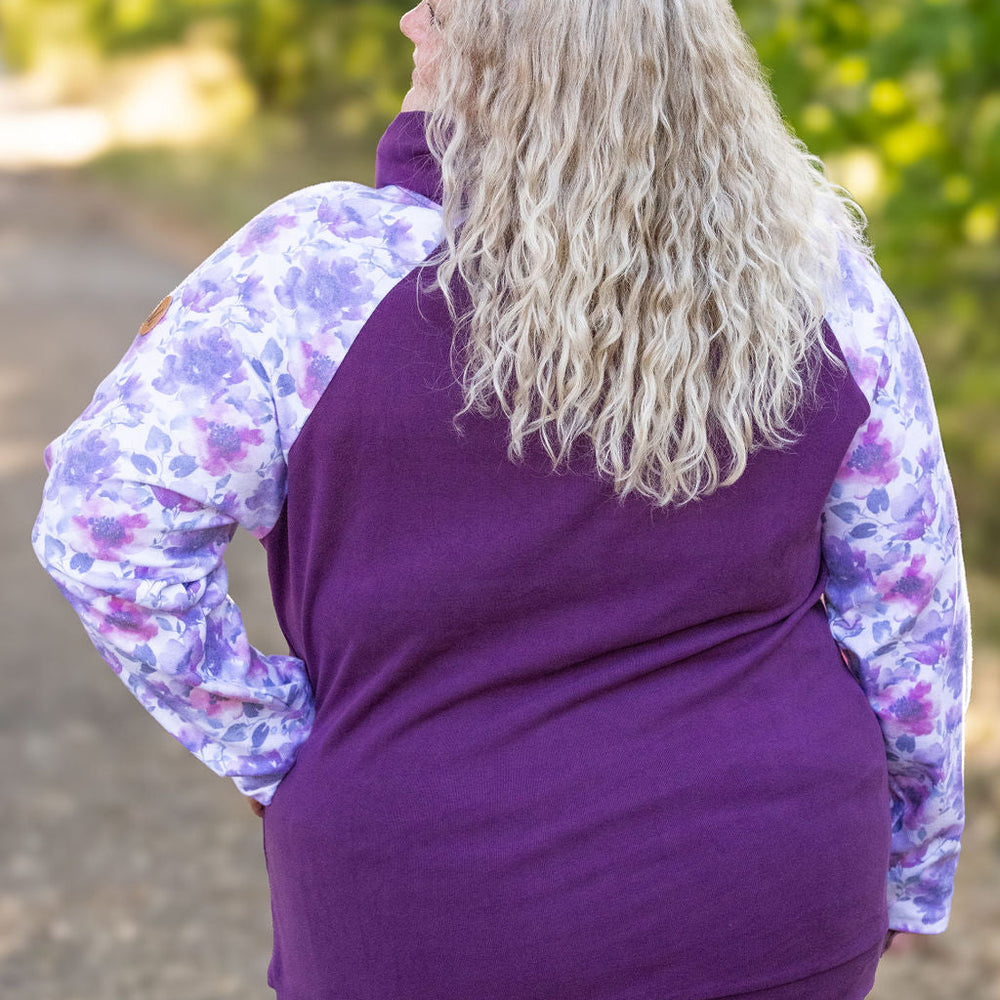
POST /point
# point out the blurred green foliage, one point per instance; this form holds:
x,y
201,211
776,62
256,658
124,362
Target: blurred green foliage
x,y
301,55
901,99
908,91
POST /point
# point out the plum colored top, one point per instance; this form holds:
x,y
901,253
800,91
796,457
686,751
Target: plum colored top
x,y
523,714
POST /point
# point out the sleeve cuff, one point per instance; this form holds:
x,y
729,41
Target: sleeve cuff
x,y
259,787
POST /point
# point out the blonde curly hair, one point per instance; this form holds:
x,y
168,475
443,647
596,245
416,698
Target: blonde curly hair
x,y
645,242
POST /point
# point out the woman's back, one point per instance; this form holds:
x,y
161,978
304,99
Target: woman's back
x,y
563,742
632,726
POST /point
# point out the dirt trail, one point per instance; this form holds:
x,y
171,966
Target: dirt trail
x,y
127,870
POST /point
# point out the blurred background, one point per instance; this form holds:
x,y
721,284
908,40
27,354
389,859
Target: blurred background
x,y
135,135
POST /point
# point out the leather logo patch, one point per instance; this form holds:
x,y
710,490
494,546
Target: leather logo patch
x,y
155,316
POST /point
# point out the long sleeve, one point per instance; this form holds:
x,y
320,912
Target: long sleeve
x,y
896,594
145,490
189,437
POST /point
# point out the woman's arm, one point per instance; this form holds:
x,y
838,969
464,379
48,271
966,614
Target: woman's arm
x,y
145,490
896,595
190,436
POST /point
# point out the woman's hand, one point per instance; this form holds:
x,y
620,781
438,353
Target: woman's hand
x,y
258,810
903,943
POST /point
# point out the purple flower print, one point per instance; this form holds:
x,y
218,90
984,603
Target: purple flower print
x,y
913,376
312,372
211,360
915,788
864,368
911,587
86,461
858,293
203,701
130,396
126,617
256,298
934,898
399,234
203,542
958,653
898,603
872,460
169,500
205,411
349,221
262,230
915,710
929,640
846,568
102,399
179,656
189,735
914,508
210,290
332,290
133,394
268,495
108,534
344,218
222,446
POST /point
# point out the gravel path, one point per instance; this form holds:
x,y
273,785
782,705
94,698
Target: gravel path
x,y
127,870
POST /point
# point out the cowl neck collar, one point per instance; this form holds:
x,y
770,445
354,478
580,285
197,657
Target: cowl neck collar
x,y
404,158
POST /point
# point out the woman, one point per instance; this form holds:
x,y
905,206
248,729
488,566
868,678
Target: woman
x,y
619,564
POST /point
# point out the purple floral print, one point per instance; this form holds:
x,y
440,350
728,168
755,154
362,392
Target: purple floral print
x,y
188,437
896,594
263,229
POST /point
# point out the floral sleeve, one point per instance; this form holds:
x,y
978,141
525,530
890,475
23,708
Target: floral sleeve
x,y
188,438
896,594
145,490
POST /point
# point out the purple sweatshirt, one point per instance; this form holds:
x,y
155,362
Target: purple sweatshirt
x,y
504,674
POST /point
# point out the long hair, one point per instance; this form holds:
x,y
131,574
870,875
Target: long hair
x,y
645,242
